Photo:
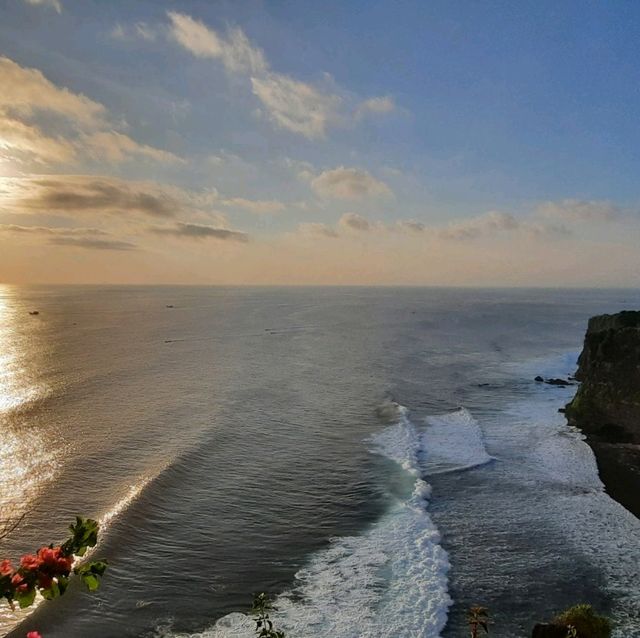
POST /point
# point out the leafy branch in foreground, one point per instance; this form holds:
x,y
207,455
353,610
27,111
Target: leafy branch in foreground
x,y
48,570
262,605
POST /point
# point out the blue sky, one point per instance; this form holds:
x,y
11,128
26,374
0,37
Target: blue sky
x,y
433,142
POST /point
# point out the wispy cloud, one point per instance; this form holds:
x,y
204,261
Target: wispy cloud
x,y
89,243
233,49
349,184
141,30
78,237
354,221
256,206
576,210
49,230
86,195
377,106
51,124
304,108
198,231
481,225
54,4
316,229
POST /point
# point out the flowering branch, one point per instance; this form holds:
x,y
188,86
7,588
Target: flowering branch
x,y
49,569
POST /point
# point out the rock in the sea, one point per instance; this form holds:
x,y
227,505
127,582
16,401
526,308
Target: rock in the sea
x,y
539,379
560,382
607,404
545,630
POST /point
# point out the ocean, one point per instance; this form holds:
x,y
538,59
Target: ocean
x,y
377,459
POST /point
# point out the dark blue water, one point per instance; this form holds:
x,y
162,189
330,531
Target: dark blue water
x,y
226,443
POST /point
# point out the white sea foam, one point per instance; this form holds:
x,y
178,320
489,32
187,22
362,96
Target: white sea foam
x,y
391,581
452,442
560,461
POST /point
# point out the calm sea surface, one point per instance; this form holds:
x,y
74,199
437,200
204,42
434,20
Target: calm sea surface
x,y
377,459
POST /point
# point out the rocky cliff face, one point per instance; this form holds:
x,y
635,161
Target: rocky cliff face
x,y
607,405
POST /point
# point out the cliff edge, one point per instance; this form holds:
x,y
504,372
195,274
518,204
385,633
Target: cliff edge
x,y
606,406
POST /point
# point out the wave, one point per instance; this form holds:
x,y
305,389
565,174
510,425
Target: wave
x,y
391,581
453,442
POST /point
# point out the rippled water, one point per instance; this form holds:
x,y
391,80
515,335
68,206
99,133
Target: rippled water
x,y
232,444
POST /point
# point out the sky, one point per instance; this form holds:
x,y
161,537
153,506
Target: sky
x,y
273,142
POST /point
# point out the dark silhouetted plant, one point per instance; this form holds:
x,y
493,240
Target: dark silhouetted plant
x,y
262,606
477,619
584,622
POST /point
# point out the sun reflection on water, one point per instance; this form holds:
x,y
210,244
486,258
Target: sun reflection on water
x,y
27,459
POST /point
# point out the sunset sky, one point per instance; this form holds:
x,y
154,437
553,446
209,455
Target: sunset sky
x,y
302,142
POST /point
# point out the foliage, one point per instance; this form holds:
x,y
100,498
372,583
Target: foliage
x,y
262,605
48,570
585,622
478,618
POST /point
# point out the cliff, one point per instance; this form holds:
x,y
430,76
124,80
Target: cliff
x,y
607,405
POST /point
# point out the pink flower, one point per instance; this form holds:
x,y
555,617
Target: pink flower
x,y
5,568
18,582
30,562
54,560
34,634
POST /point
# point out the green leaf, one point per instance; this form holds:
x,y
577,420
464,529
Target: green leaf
x,y
84,534
51,592
63,583
91,581
26,599
91,573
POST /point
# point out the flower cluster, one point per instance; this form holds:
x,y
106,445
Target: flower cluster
x,y
48,570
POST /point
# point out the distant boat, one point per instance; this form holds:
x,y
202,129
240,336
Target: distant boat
x,y
169,306
34,312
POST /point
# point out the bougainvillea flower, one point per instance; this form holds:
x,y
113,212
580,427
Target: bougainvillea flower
x,y
30,562
5,568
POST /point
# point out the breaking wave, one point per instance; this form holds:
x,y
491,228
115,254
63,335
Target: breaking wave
x,y
391,581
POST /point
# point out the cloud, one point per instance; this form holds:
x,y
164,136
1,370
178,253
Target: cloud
x,y
88,238
48,230
316,229
377,106
256,206
411,225
349,184
353,221
138,30
49,124
24,91
55,4
19,140
234,49
294,105
483,224
198,231
87,195
92,244
575,210
487,225
117,147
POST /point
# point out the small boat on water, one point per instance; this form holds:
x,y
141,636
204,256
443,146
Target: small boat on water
x,y
34,312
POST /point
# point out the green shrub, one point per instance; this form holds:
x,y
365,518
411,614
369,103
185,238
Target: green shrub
x,y
585,621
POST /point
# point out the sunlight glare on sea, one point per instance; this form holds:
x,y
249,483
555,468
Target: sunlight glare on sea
x,y
27,459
